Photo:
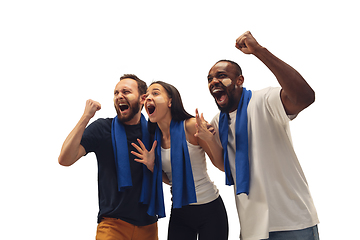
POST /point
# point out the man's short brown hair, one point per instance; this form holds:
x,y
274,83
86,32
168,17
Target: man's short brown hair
x,y
142,87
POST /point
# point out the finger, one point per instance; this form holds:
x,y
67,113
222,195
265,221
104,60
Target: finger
x,y
141,144
202,123
137,154
197,122
97,105
202,117
139,161
93,103
237,46
241,42
196,127
197,118
212,130
140,150
196,114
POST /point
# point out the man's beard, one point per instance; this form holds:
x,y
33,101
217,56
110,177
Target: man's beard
x,y
228,106
134,109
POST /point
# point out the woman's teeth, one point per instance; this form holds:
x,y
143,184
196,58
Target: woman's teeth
x,y
151,108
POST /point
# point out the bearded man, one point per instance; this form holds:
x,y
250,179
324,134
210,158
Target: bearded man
x,y
120,178
271,192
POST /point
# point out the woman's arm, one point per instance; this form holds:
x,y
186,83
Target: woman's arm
x,y
148,158
198,132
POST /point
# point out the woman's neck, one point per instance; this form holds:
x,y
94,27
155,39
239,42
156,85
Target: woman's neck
x,y
164,127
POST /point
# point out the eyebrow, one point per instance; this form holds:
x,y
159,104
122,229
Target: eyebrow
x,y
123,89
220,71
158,89
217,73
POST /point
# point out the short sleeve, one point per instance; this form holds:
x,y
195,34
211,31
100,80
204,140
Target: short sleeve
x,y
275,107
93,135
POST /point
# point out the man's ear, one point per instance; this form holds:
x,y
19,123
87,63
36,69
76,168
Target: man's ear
x,y
240,80
142,99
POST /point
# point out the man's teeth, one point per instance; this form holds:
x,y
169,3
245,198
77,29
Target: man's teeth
x,y
217,91
219,95
123,106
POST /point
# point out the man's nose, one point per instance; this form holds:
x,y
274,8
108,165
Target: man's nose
x,y
214,81
119,96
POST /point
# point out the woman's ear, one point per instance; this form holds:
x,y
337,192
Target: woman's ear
x,y
170,102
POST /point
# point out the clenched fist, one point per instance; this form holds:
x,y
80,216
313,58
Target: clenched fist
x,y
91,108
247,43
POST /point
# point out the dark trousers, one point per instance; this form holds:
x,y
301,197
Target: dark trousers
x,y
207,221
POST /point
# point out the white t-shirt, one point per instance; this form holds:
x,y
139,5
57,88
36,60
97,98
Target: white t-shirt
x,y
205,189
279,198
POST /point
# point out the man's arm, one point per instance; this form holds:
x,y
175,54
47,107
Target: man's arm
x,y
72,150
296,94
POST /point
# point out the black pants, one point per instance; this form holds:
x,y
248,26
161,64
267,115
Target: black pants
x,y
208,221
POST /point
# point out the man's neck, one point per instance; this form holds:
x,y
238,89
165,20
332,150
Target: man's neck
x,y
237,98
134,121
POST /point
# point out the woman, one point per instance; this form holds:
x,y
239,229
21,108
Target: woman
x,y
181,141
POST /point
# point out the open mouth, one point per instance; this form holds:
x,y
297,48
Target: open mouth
x,y
123,106
219,94
150,108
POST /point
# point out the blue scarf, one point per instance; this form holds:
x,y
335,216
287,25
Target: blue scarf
x,y
154,197
183,187
121,153
242,145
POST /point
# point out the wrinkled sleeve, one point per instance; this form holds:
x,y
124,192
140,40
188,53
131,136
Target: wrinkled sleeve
x,y
275,107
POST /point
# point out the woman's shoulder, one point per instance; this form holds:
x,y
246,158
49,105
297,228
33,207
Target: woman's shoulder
x,y
190,130
190,124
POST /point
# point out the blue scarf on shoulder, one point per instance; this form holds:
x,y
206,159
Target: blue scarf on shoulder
x,y
121,153
183,187
242,145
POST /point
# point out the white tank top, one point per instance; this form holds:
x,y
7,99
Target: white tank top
x,y
206,190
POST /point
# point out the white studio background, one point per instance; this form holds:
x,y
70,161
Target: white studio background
x,y
54,55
